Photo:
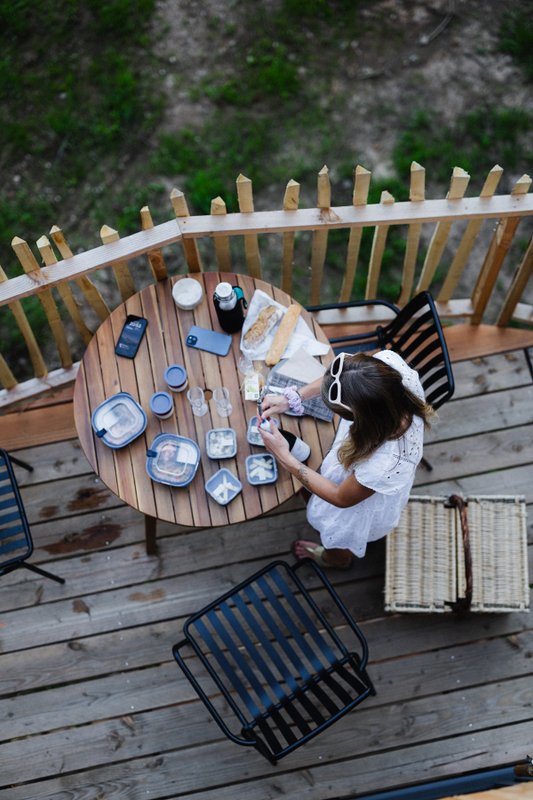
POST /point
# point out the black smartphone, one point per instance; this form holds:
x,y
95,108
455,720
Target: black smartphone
x,y
131,336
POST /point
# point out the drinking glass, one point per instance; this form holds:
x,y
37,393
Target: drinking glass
x,y
196,398
245,365
222,401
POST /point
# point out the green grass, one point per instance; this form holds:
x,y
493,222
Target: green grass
x,y
74,94
78,92
476,141
516,37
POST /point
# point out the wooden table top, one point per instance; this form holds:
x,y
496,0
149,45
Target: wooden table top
x,y
102,375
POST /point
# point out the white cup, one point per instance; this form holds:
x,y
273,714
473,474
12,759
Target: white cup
x,y
222,401
196,398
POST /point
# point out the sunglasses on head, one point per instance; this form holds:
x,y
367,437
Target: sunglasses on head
x,y
335,370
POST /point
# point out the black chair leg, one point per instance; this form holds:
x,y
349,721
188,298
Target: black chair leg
x,y
43,572
426,463
20,463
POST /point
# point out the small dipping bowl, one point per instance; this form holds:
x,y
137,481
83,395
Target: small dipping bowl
x,y
252,433
187,293
223,486
221,443
176,378
161,405
261,469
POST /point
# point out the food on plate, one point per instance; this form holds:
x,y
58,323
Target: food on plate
x,y
264,323
283,334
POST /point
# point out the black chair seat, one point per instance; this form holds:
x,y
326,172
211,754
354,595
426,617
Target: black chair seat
x,y
277,661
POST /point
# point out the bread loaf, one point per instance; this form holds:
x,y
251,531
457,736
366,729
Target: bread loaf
x,y
264,323
283,334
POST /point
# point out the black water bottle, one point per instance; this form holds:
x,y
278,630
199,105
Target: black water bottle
x,y
229,304
298,448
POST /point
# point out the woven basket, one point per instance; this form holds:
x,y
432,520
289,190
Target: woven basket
x,y
450,554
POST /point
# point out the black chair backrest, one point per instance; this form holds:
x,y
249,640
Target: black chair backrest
x,y
15,539
416,334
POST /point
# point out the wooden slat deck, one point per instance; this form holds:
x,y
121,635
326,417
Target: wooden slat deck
x,y
93,706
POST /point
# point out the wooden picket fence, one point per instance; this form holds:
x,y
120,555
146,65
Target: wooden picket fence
x,y
89,304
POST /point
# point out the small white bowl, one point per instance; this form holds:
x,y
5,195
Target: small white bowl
x,y
187,293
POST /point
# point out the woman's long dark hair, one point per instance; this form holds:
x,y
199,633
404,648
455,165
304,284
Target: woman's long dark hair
x,y
382,406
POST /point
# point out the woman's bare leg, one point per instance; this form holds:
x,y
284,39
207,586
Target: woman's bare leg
x,y
335,557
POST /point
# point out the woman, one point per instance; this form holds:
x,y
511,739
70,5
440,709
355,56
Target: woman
x,y
365,479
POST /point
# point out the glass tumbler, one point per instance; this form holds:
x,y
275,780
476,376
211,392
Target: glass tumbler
x,y
245,365
196,398
222,401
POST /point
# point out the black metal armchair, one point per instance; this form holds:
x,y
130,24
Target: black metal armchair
x,y
15,538
276,660
415,333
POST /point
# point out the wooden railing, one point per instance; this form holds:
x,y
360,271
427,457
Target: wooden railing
x,y
90,302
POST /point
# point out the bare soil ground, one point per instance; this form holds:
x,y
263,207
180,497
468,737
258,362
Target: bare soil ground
x,y
437,55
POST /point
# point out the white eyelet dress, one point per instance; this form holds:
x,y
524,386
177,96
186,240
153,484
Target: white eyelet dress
x,y
390,471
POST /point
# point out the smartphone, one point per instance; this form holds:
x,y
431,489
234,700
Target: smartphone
x,y
131,336
210,341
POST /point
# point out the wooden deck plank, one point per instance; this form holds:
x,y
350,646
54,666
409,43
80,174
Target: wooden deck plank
x,y
483,452
217,769
467,341
187,726
397,680
410,637
491,373
520,790
37,426
487,412
76,658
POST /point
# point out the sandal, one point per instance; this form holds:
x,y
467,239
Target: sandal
x,y
316,553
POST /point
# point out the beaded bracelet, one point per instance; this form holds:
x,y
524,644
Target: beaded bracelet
x,y
294,400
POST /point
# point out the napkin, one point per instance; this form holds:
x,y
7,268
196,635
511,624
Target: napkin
x,y
301,367
302,337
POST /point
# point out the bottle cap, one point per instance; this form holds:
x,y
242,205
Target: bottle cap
x,y
224,290
176,376
161,404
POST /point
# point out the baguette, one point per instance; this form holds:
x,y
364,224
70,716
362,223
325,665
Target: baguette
x,y
283,334
265,321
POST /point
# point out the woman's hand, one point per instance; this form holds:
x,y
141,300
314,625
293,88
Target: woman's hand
x,y
274,404
275,443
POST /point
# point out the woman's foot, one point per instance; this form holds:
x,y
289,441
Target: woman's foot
x,y
334,558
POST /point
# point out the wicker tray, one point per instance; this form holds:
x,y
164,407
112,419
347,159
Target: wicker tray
x,y
429,568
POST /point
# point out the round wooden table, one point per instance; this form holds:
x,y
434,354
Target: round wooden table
x,y
123,471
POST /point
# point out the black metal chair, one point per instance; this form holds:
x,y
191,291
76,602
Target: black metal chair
x,y
15,538
276,660
415,333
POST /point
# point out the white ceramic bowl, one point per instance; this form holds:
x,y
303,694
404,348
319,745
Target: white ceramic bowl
x,y
187,293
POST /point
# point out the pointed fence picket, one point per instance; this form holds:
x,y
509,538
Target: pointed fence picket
x,y
217,229
417,193
360,197
86,286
